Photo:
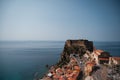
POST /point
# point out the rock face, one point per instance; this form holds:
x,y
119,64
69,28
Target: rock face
x,y
75,47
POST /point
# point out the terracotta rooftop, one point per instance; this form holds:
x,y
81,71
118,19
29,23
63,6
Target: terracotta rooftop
x,y
67,72
100,51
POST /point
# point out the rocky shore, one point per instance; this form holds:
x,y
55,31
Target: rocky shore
x,y
80,60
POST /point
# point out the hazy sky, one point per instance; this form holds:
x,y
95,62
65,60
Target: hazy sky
x,y
60,20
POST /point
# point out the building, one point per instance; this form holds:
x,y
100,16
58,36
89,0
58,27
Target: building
x,y
95,55
104,58
114,60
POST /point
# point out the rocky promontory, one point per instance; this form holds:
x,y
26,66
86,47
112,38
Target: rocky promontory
x,y
75,47
80,60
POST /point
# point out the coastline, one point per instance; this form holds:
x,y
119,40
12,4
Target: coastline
x,y
87,57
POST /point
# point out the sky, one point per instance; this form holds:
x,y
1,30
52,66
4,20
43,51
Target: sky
x,y
59,20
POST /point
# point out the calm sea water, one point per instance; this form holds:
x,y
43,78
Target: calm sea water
x,y
27,60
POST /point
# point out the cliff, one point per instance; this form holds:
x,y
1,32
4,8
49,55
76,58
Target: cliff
x,y
75,47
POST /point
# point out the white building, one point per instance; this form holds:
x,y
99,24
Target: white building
x,y
95,55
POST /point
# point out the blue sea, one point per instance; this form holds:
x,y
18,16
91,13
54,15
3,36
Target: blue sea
x,y
26,60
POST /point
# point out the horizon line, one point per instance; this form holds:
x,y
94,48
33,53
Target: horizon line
x,y
52,40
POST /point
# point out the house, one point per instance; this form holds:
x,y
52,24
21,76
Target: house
x,y
104,58
114,60
86,55
88,67
95,55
